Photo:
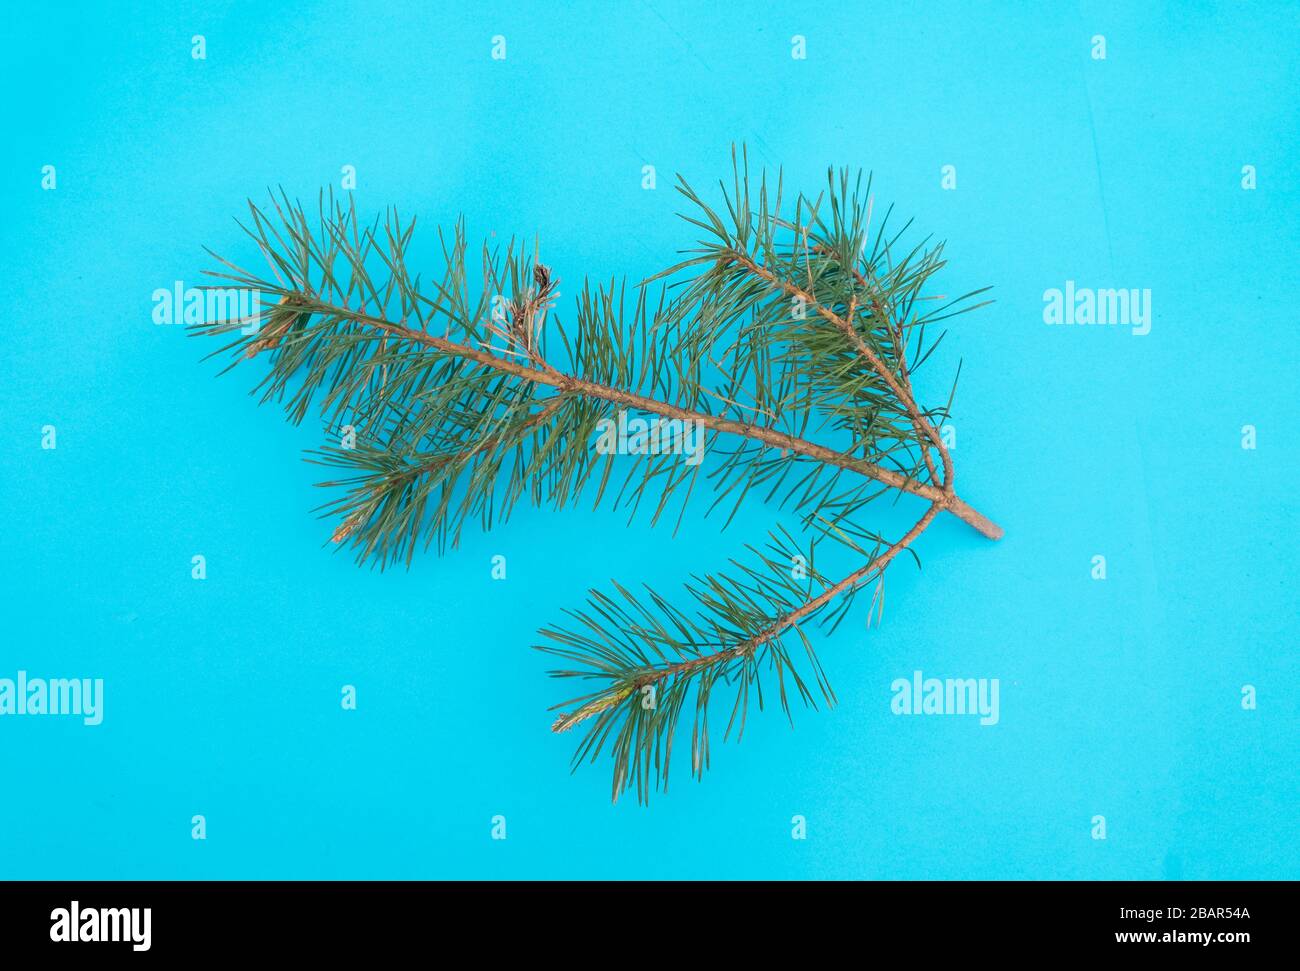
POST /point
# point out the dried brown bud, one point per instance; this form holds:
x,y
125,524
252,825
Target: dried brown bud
x,y
269,335
569,719
346,529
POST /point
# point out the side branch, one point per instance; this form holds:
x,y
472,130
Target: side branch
x,y
903,394
747,648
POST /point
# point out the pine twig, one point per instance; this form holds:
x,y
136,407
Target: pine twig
x,y
781,331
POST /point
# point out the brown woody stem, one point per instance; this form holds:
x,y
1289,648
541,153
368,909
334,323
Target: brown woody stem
x,y
944,498
967,514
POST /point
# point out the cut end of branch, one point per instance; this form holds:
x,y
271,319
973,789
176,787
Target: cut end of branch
x,y
971,516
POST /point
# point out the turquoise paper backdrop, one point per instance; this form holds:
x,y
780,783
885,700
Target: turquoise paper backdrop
x,y
1120,698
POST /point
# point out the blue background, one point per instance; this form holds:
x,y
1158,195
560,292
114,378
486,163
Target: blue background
x,y
1119,698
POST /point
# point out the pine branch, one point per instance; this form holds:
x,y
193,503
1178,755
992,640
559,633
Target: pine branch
x,y
738,631
778,332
